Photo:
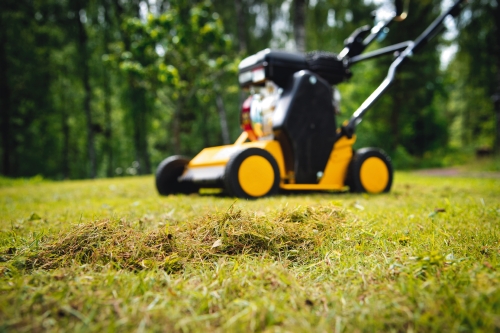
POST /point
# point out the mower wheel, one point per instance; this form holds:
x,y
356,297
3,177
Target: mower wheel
x,y
252,173
167,174
370,171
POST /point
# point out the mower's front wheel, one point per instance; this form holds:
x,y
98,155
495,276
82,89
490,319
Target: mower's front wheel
x,y
167,176
370,171
252,173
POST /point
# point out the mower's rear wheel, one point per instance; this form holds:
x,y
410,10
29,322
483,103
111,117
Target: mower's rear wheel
x,y
167,174
370,171
252,173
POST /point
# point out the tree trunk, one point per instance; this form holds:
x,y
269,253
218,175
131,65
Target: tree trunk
x,y
65,128
84,66
395,113
139,117
205,131
240,26
223,119
138,107
497,94
176,127
299,24
4,103
108,130
242,33
65,148
176,121
146,161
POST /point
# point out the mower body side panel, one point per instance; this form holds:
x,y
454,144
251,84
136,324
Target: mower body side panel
x,y
208,167
336,169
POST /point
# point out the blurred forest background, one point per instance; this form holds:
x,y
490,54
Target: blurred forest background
x,y
103,88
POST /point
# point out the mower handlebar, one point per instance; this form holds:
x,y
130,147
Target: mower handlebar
x,y
408,49
362,37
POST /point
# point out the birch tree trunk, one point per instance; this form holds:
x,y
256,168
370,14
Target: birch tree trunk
x,y
299,24
223,120
241,26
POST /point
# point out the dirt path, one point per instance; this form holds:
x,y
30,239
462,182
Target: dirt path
x,y
457,172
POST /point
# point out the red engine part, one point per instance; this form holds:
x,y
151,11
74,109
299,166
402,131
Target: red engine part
x,y
246,122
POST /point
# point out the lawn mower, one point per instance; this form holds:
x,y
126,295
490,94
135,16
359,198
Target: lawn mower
x,y
290,140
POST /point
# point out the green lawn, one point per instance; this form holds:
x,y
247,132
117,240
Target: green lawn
x,y
109,255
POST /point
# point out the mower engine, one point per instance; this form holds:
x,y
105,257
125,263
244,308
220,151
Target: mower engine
x,y
268,74
257,111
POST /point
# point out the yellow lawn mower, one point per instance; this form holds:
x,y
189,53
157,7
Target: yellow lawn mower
x,y
290,140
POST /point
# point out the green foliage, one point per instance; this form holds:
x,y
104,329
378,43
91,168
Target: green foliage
x,y
136,81
472,79
402,159
183,51
330,22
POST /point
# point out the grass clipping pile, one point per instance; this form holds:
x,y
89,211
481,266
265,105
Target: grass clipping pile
x,y
107,242
288,234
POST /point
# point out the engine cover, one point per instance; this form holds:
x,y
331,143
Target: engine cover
x,y
304,124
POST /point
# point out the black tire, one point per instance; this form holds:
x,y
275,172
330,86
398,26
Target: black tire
x,y
377,180
232,181
167,174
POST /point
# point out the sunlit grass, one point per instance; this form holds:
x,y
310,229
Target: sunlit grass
x,y
112,255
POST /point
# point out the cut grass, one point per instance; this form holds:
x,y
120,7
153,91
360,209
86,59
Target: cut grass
x,y
112,255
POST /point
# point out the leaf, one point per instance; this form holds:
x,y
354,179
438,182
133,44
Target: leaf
x,y
34,216
437,211
217,243
404,240
488,265
358,206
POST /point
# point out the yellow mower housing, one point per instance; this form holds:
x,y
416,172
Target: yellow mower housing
x,y
300,150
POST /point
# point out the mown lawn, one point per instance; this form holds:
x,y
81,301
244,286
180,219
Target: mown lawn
x,y
111,255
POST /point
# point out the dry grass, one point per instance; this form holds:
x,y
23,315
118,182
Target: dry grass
x,y
103,243
283,235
